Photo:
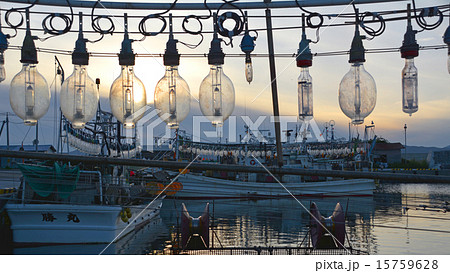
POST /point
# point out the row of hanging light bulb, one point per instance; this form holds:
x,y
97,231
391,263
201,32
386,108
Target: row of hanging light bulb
x,y
357,90
30,95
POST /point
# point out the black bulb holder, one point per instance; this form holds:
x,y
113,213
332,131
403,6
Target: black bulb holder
x,y
216,55
3,46
357,51
3,41
171,56
126,55
447,38
410,47
304,55
28,52
80,56
248,43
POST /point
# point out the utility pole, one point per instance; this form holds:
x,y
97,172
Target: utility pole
x,y
7,131
405,139
273,80
36,140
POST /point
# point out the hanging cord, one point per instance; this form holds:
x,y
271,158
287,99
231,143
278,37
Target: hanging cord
x,y
427,12
370,31
375,17
239,22
143,28
47,23
310,16
95,24
200,28
17,10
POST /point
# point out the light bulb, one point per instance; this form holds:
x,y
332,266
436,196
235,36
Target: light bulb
x,y
357,93
172,97
79,97
305,95
127,97
29,94
216,96
2,66
409,87
248,69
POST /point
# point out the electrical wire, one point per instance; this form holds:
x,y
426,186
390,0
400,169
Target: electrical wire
x,y
17,10
239,55
95,24
427,12
48,27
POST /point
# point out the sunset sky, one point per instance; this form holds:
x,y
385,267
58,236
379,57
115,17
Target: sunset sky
x,y
428,127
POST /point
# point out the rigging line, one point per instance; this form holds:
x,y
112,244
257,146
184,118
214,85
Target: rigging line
x,y
147,206
26,134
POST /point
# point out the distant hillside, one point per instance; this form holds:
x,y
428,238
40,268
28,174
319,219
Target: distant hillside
x,y
425,150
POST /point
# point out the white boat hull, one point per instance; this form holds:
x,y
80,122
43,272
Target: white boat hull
x,y
73,224
197,186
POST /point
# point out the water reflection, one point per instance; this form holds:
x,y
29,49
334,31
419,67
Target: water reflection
x,y
375,224
274,222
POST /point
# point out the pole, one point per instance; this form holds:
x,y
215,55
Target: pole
x,y
36,141
176,145
349,132
405,140
273,79
7,131
60,133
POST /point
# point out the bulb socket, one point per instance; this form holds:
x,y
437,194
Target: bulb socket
x,y
357,51
248,43
304,55
28,52
216,55
171,56
447,36
80,56
410,47
3,42
126,55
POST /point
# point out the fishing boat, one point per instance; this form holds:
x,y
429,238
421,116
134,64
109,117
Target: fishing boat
x,y
197,186
212,185
64,205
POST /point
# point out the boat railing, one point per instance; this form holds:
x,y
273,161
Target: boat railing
x,y
91,188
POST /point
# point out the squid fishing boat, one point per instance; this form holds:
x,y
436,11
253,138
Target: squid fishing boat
x,y
197,186
64,205
212,185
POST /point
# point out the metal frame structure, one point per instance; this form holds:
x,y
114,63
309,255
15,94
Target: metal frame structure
x,y
263,4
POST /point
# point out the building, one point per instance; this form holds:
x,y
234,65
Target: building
x,y
388,152
9,162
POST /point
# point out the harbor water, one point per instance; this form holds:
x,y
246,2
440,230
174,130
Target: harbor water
x,y
392,221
